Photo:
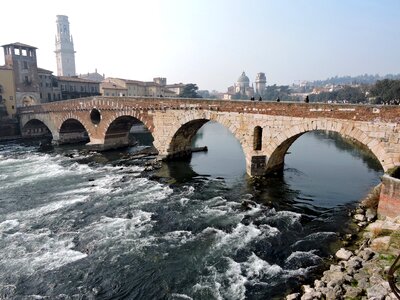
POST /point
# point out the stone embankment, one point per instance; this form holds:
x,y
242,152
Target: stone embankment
x,y
361,269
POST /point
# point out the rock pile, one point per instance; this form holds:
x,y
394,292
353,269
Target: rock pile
x,y
360,274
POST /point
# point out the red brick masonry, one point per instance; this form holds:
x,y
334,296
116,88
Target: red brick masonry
x,y
389,202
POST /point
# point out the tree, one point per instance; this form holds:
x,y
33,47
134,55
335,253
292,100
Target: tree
x,y
190,91
386,91
272,92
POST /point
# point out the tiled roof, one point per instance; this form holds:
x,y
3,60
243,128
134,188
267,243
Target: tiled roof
x,y
40,70
75,79
110,85
19,45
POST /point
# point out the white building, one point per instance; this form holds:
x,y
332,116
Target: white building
x,y
261,82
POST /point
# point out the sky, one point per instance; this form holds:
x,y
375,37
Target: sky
x,y
211,42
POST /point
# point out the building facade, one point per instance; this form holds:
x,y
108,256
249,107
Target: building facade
x,y
93,76
135,88
65,53
49,87
74,87
21,58
7,90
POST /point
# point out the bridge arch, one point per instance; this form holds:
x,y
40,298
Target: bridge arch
x,y
73,130
118,129
179,143
282,142
38,127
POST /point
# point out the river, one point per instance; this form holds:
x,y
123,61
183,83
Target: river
x,y
84,225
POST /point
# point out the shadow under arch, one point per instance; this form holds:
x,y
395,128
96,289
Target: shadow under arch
x,y
72,131
225,157
125,131
36,128
276,161
180,145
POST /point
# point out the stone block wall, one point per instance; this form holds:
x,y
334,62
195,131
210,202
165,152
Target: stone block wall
x,y
389,201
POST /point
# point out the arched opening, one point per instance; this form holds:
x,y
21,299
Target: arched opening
x,y
223,158
36,129
330,169
127,131
95,116
257,138
277,159
181,143
72,131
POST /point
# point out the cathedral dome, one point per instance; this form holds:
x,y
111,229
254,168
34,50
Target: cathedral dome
x,y
243,78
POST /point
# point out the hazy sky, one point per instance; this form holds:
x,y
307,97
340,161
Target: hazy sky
x,y
210,42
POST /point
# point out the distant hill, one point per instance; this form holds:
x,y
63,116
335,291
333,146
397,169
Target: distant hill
x,y
347,80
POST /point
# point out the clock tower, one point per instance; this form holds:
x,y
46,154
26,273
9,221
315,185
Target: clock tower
x,y
65,53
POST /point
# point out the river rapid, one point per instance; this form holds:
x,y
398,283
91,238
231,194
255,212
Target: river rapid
x,y
84,225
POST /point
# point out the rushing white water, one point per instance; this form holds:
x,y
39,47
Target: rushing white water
x,y
73,227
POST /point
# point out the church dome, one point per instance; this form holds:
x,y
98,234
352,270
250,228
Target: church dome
x,y
243,78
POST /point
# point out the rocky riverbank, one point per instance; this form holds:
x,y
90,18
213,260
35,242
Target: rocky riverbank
x,y
362,267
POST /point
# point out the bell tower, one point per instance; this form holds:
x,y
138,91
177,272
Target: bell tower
x,y
65,53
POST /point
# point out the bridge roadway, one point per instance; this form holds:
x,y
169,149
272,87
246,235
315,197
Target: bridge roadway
x,y
265,130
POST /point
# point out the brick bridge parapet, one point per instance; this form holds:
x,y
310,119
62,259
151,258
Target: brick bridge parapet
x,y
265,130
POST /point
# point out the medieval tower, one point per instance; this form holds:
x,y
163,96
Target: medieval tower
x,y
65,53
261,82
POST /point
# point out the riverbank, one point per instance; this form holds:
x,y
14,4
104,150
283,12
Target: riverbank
x,y
361,268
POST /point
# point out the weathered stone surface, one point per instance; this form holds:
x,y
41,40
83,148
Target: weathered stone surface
x,y
343,254
366,254
352,292
380,244
389,200
377,292
174,121
359,217
370,214
294,296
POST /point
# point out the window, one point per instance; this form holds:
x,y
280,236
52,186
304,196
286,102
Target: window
x,y
49,97
24,53
11,98
25,65
257,142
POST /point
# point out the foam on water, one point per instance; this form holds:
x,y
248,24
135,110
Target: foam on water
x,y
256,268
313,237
111,232
25,253
180,296
238,238
9,225
45,209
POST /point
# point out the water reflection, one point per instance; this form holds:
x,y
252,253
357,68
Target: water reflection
x,y
322,169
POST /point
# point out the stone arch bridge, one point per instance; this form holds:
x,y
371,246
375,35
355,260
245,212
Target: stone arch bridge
x,y
265,130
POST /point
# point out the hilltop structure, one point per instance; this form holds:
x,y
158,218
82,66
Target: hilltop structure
x,y
241,88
